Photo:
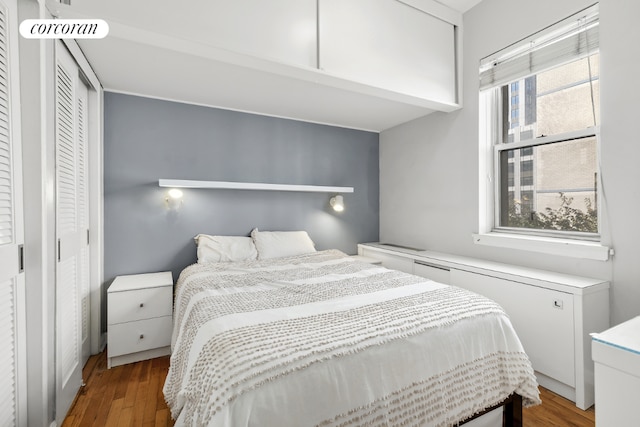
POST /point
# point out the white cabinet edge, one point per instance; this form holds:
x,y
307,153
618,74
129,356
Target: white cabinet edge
x,y
571,284
552,246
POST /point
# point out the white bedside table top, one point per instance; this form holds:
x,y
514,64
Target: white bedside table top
x,y
625,336
141,281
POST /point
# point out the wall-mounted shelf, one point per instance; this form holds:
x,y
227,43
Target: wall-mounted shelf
x,y
185,183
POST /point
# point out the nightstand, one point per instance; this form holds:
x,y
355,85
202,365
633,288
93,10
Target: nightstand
x,y
139,317
616,356
370,260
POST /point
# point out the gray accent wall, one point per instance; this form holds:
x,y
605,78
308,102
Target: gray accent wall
x,y
148,139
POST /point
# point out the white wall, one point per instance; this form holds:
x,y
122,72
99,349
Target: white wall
x,y
429,167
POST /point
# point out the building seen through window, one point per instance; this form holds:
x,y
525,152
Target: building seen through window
x,y
541,183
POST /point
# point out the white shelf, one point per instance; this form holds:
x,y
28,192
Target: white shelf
x,y
185,183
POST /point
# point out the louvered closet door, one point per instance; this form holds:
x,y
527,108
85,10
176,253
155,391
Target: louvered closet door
x,y
72,219
83,216
12,320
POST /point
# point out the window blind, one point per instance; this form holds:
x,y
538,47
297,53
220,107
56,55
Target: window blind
x,y
568,40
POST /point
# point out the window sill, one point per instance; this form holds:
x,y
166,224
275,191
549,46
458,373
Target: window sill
x,y
551,246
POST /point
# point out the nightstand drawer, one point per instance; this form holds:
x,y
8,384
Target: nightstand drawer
x,y
139,304
132,337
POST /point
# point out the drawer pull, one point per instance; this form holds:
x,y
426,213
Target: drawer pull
x,y
141,336
426,264
141,304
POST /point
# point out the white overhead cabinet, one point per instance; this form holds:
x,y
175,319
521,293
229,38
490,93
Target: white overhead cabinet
x,y
390,45
366,64
278,30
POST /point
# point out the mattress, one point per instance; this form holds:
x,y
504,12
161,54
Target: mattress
x,y
325,340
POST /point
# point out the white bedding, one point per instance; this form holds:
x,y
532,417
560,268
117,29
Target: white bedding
x,y
324,340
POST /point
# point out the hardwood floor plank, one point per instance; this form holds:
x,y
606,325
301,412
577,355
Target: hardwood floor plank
x,y
115,410
152,400
75,413
109,380
141,402
162,418
557,411
125,379
131,395
132,386
126,417
70,421
91,413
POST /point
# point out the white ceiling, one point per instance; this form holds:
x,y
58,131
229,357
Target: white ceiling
x,y
153,50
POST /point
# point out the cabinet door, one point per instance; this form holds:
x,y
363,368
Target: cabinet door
x,y
433,272
391,261
542,318
390,45
280,30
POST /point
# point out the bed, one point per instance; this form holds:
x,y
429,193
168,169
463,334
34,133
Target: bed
x,y
321,339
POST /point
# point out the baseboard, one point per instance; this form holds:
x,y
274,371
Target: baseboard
x,y
556,386
136,357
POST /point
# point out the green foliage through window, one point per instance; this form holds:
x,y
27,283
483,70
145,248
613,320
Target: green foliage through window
x,y
564,218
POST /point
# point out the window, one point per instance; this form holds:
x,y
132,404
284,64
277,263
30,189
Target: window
x,y
542,99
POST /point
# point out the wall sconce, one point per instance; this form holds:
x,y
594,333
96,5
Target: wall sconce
x,y
337,203
173,198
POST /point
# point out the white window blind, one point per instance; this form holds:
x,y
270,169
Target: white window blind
x,y
568,40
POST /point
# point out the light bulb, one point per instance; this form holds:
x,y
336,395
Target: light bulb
x,y
337,203
174,193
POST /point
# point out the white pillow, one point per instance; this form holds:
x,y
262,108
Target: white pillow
x,y
224,248
276,244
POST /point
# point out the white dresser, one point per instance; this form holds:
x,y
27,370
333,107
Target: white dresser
x,y
139,317
552,313
616,354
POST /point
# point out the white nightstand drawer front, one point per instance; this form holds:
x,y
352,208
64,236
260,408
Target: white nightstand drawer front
x,y
139,304
132,337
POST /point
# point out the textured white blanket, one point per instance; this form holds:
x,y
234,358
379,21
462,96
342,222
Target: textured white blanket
x,y
323,340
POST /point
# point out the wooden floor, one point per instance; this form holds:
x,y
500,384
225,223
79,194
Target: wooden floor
x,y
127,395
131,395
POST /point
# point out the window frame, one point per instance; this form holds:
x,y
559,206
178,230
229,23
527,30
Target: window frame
x,y
551,242
498,146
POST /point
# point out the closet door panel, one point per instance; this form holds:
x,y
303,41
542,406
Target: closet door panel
x,y
71,236
12,292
